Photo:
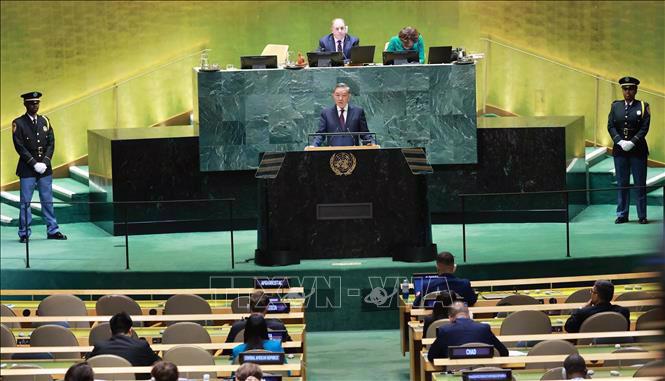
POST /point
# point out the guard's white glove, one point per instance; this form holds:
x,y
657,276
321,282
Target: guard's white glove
x,y
628,145
40,168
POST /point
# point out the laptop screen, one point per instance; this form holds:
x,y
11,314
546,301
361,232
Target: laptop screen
x,y
419,280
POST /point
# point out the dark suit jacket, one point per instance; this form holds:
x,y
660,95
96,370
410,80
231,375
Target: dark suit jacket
x,y
578,316
136,351
629,123
463,331
273,325
327,44
354,122
34,143
461,286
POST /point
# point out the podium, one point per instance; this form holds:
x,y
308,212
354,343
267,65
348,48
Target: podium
x,y
343,202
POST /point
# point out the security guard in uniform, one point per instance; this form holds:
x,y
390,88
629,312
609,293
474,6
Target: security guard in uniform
x,y
34,142
628,125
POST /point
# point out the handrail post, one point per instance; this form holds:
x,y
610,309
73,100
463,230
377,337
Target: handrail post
x,y
463,228
26,205
126,240
567,217
233,261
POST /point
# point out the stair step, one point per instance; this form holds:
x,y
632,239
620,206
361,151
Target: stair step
x,y
10,215
655,177
79,173
13,198
604,166
595,155
655,197
69,189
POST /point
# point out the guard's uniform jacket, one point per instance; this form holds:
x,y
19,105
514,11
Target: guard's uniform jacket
x,y
629,122
34,142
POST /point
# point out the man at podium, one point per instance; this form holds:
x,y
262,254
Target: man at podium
x,y
340,118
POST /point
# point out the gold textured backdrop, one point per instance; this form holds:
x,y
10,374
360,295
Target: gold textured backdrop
x,y
75,52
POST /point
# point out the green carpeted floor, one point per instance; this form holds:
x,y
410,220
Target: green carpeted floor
x,y
592,234
356,356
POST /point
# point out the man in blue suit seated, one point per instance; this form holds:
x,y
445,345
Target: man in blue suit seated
x,y
445,267
342,117
462,330
338,40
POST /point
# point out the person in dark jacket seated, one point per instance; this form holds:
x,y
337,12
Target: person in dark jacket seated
x,y
258,305
601,296
256,337
462,330
440,311
136,351
445,267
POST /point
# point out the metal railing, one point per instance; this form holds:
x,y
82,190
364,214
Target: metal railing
x,y
565,194
125,206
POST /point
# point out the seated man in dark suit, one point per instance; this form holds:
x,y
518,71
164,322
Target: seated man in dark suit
x,y
445,267
136,351
462,330
601,296
258,305
342,117
338,40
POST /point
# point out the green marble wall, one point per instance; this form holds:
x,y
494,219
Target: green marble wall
x,y
242,113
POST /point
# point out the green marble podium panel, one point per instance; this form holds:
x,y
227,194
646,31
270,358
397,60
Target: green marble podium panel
x,y
244,112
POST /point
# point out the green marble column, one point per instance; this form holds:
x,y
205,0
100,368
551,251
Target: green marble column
x,y
244,112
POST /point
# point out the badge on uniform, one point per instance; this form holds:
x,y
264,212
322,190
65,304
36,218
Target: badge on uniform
x,y
46,128
639,112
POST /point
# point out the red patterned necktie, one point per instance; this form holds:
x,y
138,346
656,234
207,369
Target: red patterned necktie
x,y
341,119
339,45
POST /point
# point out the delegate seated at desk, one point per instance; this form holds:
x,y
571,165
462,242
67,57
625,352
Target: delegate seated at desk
x,y
601,296
342,117
408,39
121,343
445,267
338,40
462,330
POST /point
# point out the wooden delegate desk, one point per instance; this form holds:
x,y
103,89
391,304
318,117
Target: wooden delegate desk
x,y
417,341
594,356
150,292
415,328
289,347
416,364
57,369
603,373
148,307
557,320
406,306
291,317
153,335
559,295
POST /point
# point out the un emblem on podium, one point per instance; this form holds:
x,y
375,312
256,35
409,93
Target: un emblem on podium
x,y
343,163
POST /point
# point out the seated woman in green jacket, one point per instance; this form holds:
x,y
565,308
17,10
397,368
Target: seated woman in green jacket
x,y
408,39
